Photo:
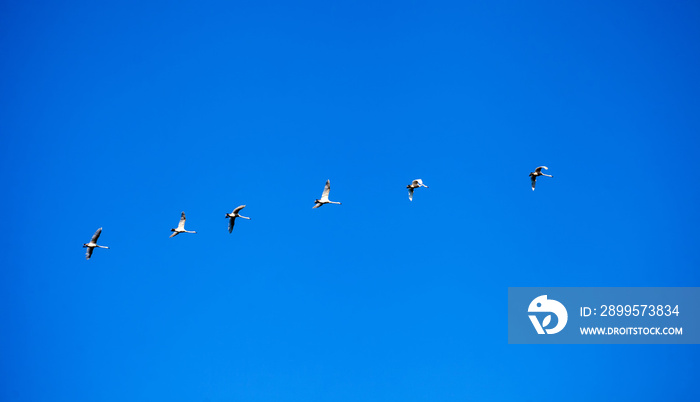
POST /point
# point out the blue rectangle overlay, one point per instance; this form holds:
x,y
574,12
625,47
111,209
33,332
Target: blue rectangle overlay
x,y
604,315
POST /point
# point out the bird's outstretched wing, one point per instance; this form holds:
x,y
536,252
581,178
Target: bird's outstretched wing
x,y
417,182
318,204
181,225
326,191
539,169
174,234
88,253
533,178
410,193
96,236
238,208
231,221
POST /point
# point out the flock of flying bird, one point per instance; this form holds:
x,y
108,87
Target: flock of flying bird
x,y
318,203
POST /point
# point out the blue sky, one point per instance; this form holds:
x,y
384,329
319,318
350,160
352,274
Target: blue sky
x,y
120,115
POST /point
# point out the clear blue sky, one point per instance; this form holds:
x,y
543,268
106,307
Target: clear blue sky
x,y
120,115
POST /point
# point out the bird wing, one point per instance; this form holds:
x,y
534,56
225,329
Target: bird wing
x,y
88,253
238,208
231,221
410,193
326,191
539,169
96,236
533,178
174,234
417,182
318,204
181,225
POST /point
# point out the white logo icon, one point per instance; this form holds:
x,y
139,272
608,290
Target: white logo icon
x,y
542,305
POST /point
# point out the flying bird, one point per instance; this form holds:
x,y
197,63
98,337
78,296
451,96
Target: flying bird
x,y
93,243
233,215
181,227
324,197
538,172
414,185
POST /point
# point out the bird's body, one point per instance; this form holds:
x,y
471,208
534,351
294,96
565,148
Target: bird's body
x,y
538,172
233,215
181,227
324,197
93,243
414,185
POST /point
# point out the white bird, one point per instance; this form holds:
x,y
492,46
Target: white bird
x,y
414,185
93,243
324,198
181,227
233,215
538,172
